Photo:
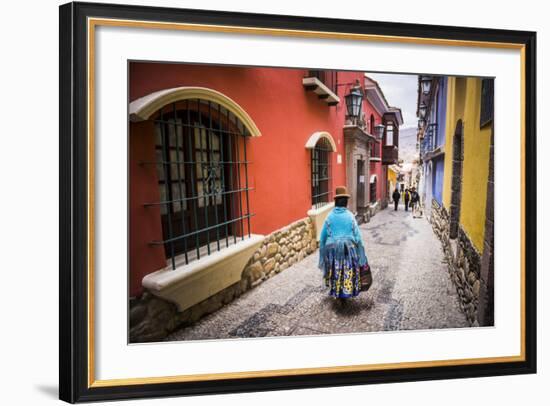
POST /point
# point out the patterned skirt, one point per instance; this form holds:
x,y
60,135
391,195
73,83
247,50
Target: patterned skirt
x,y
341,270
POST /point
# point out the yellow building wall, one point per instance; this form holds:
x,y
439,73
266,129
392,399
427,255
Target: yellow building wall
x,y
463,102
392,177
450,126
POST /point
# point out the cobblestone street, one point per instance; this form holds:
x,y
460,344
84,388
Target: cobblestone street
x,y
411,290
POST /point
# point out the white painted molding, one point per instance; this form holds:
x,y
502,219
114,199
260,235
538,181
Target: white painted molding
x,y
190,284
321,89
316,136
318,217
144,107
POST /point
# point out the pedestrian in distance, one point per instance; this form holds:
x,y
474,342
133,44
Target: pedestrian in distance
x,y
396,197
407,197
415,202
341,251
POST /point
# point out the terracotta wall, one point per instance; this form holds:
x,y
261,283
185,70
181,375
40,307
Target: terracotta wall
x,y
145,225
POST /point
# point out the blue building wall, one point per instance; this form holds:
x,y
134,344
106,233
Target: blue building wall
x,y
428,192
437,178
434,168
438,163
441,111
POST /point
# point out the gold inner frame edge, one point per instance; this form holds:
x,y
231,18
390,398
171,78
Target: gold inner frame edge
x,y
93,22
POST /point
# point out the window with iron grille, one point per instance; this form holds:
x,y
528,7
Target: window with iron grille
x,y
373,191
372,123
487,101
202,173
321,157
431,137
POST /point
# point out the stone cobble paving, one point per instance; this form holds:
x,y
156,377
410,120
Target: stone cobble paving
x,y
411,290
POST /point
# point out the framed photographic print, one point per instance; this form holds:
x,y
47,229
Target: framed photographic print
x,y
255,202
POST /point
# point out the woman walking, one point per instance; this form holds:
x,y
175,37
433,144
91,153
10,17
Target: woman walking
x,y
415,202
342,254
396,196
407,198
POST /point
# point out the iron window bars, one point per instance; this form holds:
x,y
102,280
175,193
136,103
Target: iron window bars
x,y
321,157
424,148
202,169
372,191
429,143
431,137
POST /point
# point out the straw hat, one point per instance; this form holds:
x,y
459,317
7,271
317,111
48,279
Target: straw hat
x,y
341,191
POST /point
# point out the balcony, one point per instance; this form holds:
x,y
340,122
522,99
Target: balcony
x,y
390,155
428,147
422,147
323,84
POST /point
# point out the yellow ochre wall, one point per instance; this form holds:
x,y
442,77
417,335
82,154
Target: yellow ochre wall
x,y
392,177
464,102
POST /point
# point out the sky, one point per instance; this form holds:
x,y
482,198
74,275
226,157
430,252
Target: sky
x,y
400,91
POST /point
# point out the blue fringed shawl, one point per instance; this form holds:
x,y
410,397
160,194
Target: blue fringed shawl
x,y
340,233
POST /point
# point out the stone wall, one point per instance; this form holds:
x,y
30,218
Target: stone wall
x,y
363,215
280,250
373,209
440,222
463,260
152,318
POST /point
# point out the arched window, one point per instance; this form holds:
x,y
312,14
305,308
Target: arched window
x,y
456,181
371,124
372,189
321,185
202,173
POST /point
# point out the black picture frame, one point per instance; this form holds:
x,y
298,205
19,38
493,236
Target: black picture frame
x,y
74,384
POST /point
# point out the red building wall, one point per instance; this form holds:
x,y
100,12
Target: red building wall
x,y
280,172
376,167
145,224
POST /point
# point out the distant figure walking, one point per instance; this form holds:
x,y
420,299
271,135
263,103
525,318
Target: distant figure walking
x,y
407,197
415,202
341,252
396,197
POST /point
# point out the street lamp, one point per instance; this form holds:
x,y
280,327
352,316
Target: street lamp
x,y
426,84
354,100
379,131
423,109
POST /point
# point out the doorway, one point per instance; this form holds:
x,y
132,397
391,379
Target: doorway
x,y
360,193
456,182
